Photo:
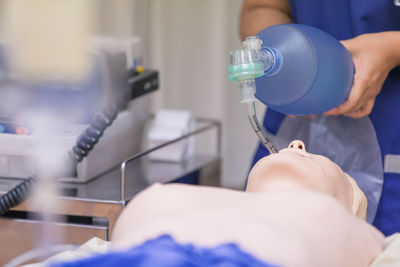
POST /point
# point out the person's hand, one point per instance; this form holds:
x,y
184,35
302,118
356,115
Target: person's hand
x,y
374,56
304,116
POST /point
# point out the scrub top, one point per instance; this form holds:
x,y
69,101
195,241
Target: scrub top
x,y
346,19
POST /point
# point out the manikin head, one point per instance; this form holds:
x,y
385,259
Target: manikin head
x,y
294,167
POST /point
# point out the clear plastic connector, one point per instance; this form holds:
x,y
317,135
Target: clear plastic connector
x,y
247,64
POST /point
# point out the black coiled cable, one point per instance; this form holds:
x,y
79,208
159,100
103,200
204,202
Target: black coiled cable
x,y
16,195
86,141
83,146
89,138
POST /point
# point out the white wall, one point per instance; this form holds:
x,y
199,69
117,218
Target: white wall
x,y
189,42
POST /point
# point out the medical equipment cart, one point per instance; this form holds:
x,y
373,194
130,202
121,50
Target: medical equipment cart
x,y
91,208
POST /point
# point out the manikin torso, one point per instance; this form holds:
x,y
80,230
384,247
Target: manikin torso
x,y
287,221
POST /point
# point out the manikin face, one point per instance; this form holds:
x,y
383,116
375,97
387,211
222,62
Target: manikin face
x,y
294,167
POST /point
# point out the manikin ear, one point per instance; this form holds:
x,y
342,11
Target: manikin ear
x,y
360,203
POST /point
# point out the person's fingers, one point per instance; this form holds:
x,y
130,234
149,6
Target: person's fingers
x,y
350,105
354,102
332,112
356,114
306,116
363,111
310,116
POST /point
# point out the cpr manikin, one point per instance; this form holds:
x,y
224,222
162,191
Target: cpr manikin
x,y
299,209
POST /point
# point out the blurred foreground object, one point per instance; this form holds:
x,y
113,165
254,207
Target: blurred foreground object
x,y
48,38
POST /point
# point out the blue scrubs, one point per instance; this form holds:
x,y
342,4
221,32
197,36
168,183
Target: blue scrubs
x,y
346,19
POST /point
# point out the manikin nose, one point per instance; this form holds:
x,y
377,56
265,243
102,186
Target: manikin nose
x,y
297,144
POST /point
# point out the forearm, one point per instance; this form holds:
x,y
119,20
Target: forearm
x,y
392,41
259,14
